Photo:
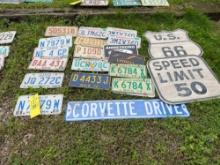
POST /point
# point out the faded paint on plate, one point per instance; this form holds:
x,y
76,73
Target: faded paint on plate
x,y
93,42
53,31
93,32
7,37
124,41
121,33
54,42
89,52
52,53
2,62
4,51
120,58
154,2
94,3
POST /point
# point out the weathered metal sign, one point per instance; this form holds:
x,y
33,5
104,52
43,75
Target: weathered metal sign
x,y
122,33
124,49
2,62
124,41
183,79
94,3
126,3
55,42
53,31
90,80
4,51
81,64
49,104
126,59
93,42
134,87
38,1
11,1
50,64
122,109
125,70
62,52
89,52
155,3
7,37
92,32
42,80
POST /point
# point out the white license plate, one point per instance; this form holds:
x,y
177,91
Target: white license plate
x,y
49,104
2,62
61,31
7,37
122,33
89,52
92,32
124,41
50,64
42,80
52,53
54,42
4,51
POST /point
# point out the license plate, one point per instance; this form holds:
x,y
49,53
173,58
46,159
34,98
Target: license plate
x,y
54,42
130,71
4,51
92,32
52,53
81,64
134,87
7,37
90,80
120,58
53,31
49,64
122,33
42,80
124,41
2,62
126,3
124,49
49,104
155,3
11,1
93,42
88,52
94,3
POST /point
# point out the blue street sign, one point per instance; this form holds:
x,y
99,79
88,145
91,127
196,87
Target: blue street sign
x,y
122,109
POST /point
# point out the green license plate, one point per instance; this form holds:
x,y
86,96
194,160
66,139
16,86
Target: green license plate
x,y
133,87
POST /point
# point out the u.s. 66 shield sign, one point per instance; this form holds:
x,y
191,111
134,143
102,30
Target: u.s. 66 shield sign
x,y
183,79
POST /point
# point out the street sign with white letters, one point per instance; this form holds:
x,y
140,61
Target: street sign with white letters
x,y
183,79
89,52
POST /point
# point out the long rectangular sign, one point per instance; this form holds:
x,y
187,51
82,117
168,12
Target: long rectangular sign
x,y
94,3
122,109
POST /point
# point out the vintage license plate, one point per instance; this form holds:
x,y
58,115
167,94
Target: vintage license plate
x,y
155,3
92,32
49,64
93,42
81,64
2,62
11,1
89,52
62,52
53,31
134,87
130,71
122,109
54,42
119,58
124,41
49,104
94,3
121,33
7,37
175,49
123,49
126,3
42,80
90,80
4,51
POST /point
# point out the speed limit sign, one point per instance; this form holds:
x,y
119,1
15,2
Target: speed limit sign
x,y
183,79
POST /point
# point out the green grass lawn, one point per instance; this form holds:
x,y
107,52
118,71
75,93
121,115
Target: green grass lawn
x,y
50,140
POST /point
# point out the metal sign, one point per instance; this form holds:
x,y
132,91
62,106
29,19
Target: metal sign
x,y
126,3
134,87
154,3
122,109
92,32
81,64
53,31
52,53
183,79
50,105
50,64
174,49
122,33
89,52
38,1
124,49
2,62
7,37
55,42
124,41
90,80
125,70
42,80
4,51
93,42
126,59
11,1
94,3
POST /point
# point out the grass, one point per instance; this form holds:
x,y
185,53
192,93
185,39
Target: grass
x,y
50,140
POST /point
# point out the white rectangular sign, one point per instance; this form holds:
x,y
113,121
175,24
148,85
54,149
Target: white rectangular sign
x,y
62,52
94,3
7,37
89,52
122,33
154,3
92,32
4,51
54,42
53,31
124,41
